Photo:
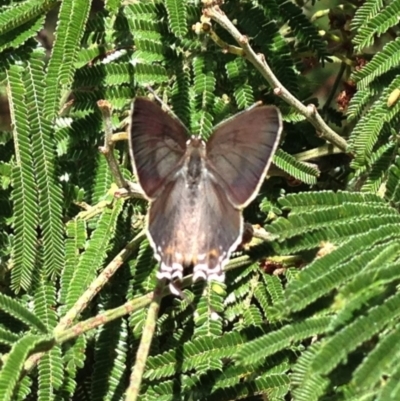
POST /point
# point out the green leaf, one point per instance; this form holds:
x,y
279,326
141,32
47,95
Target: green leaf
x,y
72,19
14,308
12,368
25,193
296,169
257,350
377,24
176,10
49,189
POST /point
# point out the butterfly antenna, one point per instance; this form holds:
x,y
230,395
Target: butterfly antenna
x,y
253,106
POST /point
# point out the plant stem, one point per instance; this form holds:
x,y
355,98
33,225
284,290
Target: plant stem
x,y
99,282
133,390
126,188
259,62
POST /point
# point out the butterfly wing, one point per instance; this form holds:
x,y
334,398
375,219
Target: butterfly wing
x,y
241,149
157,143
223,225
193,227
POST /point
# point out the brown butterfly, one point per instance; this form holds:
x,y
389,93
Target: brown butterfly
x,y
197,190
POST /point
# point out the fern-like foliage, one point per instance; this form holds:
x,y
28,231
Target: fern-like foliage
x,y
302,29
309,308
177,17
295,168
18,354
381,63
369,130
95,253
111,340
25,201
356,281
375,80
60,69
377,24
15,16
48,186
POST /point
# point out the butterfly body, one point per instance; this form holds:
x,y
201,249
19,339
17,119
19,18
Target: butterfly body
x,y
196,189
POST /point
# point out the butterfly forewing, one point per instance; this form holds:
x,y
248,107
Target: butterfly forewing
x,y
157,143
241,149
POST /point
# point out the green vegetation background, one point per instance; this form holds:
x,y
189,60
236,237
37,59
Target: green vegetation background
x,y
311,306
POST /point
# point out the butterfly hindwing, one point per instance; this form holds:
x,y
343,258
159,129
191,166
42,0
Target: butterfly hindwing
x,y
193,227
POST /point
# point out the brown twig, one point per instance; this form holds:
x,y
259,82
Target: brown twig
x,y
108,148
99,282
324,150
259,62
135,381
126,188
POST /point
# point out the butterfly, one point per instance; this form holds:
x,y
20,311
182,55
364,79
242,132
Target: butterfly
x,y
197,189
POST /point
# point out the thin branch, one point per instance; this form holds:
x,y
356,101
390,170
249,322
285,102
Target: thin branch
x,y
133,190
265,236
103,318
66,334
99,283
324,150
126,188
60,332
119,136
259,62
108,148
135,381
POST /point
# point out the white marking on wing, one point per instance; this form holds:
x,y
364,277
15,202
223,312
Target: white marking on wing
x,y
161,275
177,271
177,266
199,273
201,266
165,268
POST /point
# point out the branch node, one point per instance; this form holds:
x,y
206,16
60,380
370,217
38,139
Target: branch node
x,y
103,150
104,106
261,57
311,109
244,40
